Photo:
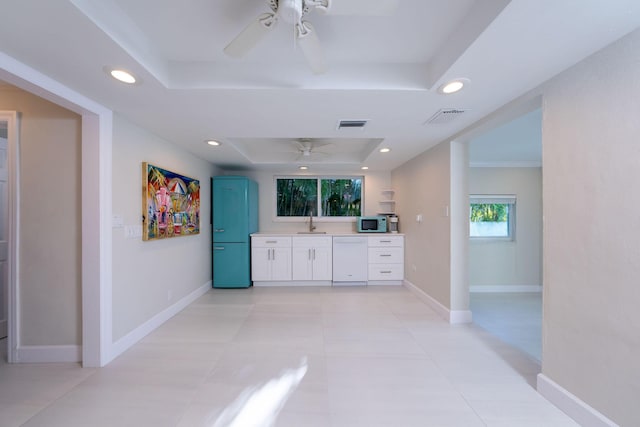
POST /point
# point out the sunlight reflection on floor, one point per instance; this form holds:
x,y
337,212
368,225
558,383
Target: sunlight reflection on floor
x,y
259,406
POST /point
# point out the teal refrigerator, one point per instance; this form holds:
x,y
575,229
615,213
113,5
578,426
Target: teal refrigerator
x,y
235,217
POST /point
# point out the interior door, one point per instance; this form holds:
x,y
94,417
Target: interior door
x,y
4,279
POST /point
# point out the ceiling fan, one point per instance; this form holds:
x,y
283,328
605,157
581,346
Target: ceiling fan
x,y
293,12
306,149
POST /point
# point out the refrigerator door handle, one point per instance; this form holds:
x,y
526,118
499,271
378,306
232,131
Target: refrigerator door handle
x,y
218,248
219,230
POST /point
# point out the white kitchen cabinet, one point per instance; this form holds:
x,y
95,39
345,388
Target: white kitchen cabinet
x,y
386,259
270,258
312,258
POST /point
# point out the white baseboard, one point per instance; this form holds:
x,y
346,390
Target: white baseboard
x,y
124,343
451,316
48,354
571,405
505,288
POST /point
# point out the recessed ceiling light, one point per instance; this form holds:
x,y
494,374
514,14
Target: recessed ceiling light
x,y
123,76
453,86
364,168
303,168
213,142
385,150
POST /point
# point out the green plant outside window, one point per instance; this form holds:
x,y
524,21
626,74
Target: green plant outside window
x,y
335,197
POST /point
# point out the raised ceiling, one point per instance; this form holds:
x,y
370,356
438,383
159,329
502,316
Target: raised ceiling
x,y
383,69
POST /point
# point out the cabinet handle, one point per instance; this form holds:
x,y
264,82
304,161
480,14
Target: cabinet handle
x,y
273,253
385,241
268,254
271,241
309,254
386,272
314,254
218,248
385,254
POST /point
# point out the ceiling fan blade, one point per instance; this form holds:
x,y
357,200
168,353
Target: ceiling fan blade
x,y
361,7
251,35
310,46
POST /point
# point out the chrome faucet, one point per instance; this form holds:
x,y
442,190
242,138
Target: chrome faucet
x,y
311,226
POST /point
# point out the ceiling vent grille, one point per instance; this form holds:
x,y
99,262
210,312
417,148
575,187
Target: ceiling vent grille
x,y
445,115
351,124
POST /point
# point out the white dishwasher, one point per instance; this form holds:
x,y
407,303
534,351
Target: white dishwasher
x,y
350,260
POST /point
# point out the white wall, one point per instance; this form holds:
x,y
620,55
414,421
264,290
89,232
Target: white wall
x,y
150,276
591,158
50,248
373,184
509,263
423,188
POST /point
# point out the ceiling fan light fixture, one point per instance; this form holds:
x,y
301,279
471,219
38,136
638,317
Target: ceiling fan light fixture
x,y
453,86
290,10
213,142
364,168
385,150
303,168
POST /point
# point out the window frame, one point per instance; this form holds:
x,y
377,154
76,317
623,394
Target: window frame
x,y
319,179
503,199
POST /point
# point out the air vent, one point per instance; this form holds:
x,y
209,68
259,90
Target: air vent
x,y
351,124
445,115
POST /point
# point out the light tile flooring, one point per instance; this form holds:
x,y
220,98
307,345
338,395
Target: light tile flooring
x,y
514,317
371,356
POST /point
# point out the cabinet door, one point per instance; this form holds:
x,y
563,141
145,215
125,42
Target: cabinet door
x,y
322,263
230,212
302,267
261,264
281,264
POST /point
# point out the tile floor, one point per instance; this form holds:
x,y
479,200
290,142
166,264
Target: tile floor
x,y
361,356
514,317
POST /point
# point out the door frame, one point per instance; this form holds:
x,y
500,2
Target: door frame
x,y
97,135
13,141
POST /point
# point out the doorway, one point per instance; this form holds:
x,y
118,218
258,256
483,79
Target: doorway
x,y
8,147
505,249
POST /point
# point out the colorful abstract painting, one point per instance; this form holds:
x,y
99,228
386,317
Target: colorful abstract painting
x,y
170,204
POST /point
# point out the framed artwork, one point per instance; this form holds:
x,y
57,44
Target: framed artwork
x,y
170,204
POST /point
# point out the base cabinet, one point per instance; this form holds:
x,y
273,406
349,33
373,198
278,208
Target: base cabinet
x,y
386,258
309,261
270,259
312,259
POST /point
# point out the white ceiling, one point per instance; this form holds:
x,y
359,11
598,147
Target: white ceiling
x,y
385,69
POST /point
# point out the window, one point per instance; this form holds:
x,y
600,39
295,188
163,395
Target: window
x,y
492,216
318,196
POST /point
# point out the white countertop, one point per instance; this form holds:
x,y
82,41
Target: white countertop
x,y
328,233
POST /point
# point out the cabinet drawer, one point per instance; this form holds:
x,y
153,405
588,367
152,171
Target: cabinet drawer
x,y
392,255
386,241
271,242
312,242
386,271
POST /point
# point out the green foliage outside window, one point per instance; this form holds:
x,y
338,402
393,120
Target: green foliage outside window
x,y
341,197
299,197
489,212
